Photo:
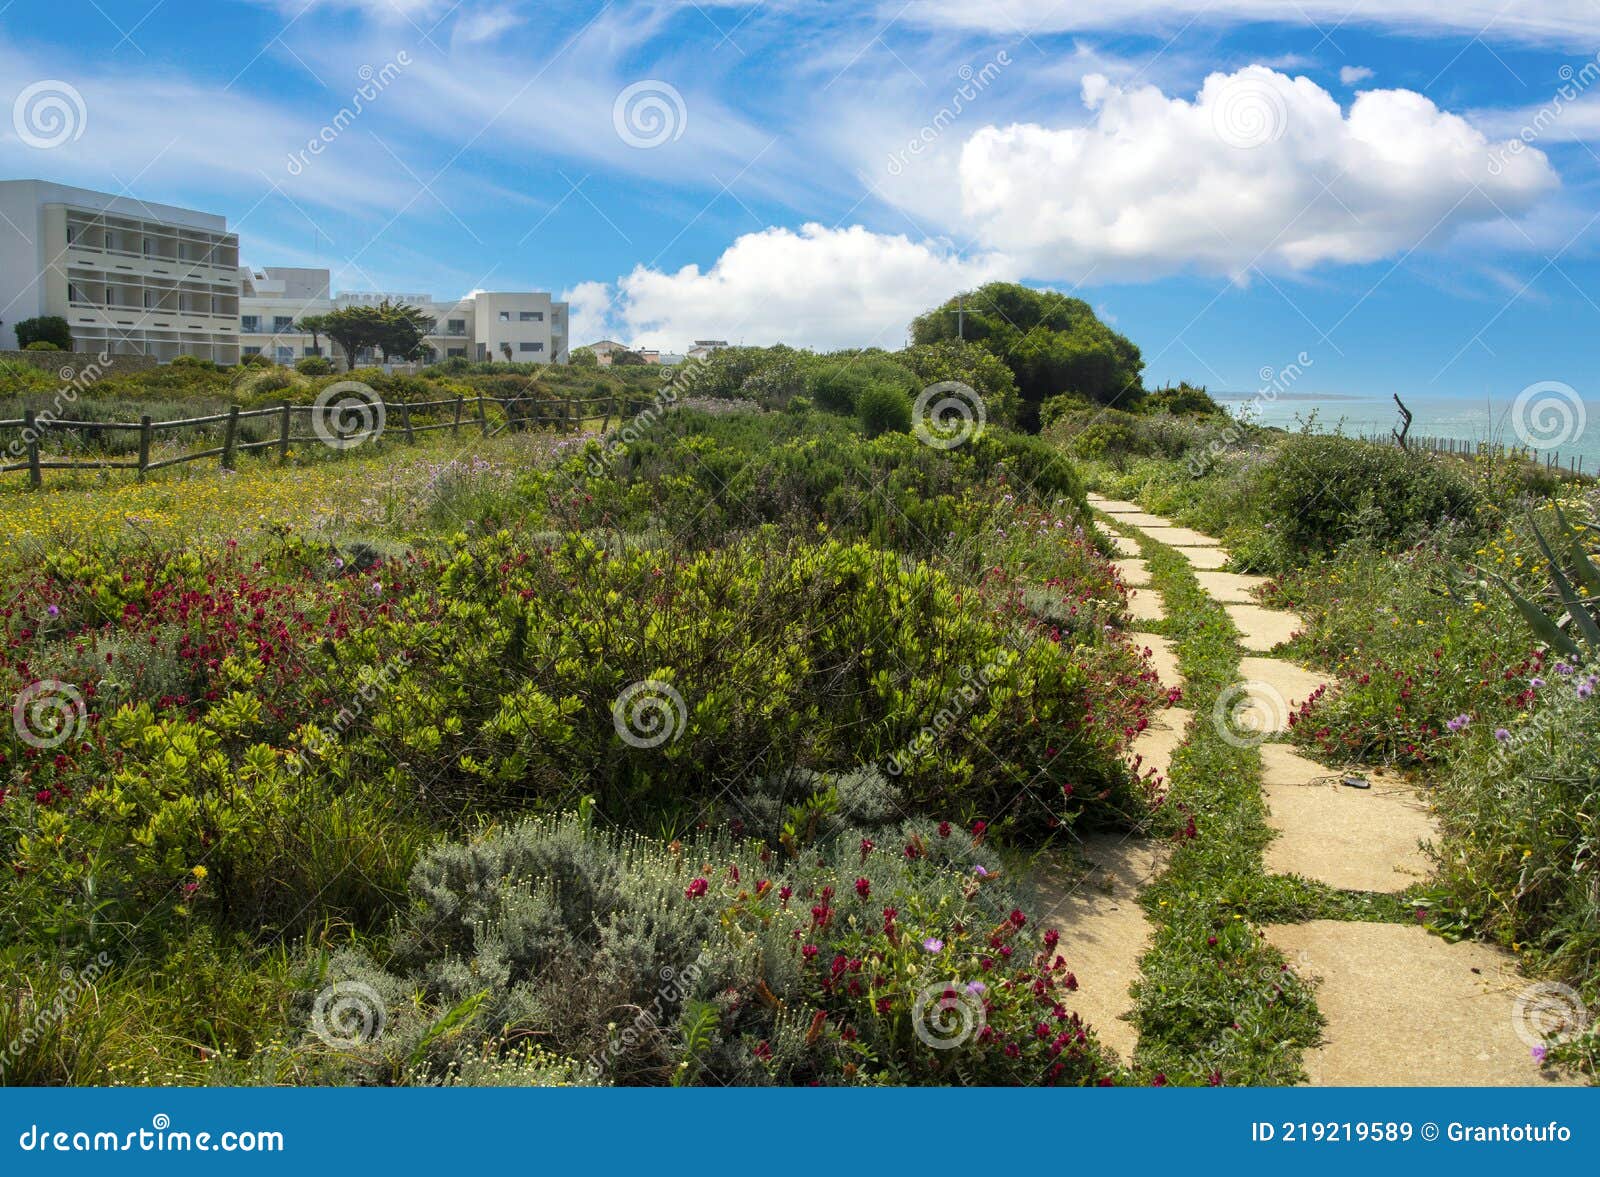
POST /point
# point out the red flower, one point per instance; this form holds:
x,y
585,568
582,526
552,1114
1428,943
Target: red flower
x,y
696,889
809,951
763,1051
867,845
1051,938
944,829
863,888
1017,918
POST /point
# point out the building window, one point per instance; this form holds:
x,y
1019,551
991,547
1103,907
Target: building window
x,y
72,293
282,323
250,325
531,316
451,352
286,355
251,351
530,347
505,316
311,351
456,327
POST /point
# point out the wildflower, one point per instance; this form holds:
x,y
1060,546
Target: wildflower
x,y
867,845
1017,918
944,829
763,1051
809,951
933,944
863,888
1536,682
54,611
1585,689
981,872
198,872
1051,938
1501,734
889,915
1539,1053
696,889
1458,722
977,987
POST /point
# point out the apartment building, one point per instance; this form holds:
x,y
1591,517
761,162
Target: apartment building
x,y
523,327
128,276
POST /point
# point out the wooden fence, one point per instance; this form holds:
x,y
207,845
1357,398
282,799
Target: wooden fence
x,y
408,419
1488,450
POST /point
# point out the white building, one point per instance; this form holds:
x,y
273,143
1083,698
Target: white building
x,y
128,276
525,327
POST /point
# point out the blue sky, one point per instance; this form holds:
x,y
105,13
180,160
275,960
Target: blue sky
x,y
1236,184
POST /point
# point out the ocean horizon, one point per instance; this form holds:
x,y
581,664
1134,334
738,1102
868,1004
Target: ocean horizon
x,y
1548,419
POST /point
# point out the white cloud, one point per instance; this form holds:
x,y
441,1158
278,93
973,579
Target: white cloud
x,y
1260,169
588,312
1568,21
485,24
818,287
1351,74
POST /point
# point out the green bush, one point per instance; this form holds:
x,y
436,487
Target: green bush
x,y
44,329
41,345
314,366
883,408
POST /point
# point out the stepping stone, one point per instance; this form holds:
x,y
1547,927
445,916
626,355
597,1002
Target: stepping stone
x,y
1262,629
1116,506
1124,546
1230,588
1179,537
1162,656
1134,573
1406,1009
1356,839
1274,690
1145,605
1209,558
1153,747
1141,520
1103,929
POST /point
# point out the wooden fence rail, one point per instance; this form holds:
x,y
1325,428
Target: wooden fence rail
x,y
517,413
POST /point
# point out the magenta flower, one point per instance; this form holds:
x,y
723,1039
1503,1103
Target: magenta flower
x,y
933,944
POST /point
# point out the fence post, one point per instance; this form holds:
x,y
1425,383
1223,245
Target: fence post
x,y
30,433
405,423
144,443
455,429
483,418
283,433
230,438
570,415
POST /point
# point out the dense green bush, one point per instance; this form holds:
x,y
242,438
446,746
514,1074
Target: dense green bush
x,y
883,408
314,366
44,329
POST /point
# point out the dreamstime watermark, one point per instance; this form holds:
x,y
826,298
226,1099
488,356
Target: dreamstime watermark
x,y
1547,1012
75,381
347,414
649,114
677,985
947,1014
649,713
348,1014
1574,82
1548,415
48,713
76,983
1268,987
373,83
1248,111
678,382
948,414
1247,713
973,83
974,685
1274,382
49,114
374,684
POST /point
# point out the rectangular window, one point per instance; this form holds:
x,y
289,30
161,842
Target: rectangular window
x,y
72,293
286,355
530,347
505,316
251,351
456,327
455,351
531,316
312,351
250,325
282,323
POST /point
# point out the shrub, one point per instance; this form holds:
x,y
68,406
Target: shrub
x,y
255,359
187,361
883,408
314,366
41,345
44,329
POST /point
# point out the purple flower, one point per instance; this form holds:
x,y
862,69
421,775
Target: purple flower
x,y
981,872
1563,669
933,944
338,563
1536,683
1538,1053
54,611
977,987
1459,722
1585,689
1501,734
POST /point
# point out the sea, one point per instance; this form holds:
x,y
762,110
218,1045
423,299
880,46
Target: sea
x,y
1551,420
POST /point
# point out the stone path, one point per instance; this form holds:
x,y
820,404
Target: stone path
x,y
1402,1006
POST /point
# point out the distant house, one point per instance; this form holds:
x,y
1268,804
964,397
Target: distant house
x,y
704,347
605,349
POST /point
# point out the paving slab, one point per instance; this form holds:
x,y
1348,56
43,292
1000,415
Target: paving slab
x,y
1124,546
1275,689
1143,520
1144,604
1163,657
1153,748
1103,929
1355,839
1115,506
1231,588
1134,573
1406,1009
1204,558
1262,629
1179,537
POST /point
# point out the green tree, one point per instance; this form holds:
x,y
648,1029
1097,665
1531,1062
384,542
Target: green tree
x,y
403,329
978,368
352,329
1051,343
315,326
44,329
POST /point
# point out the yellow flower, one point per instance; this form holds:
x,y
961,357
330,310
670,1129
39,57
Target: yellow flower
x,y
198,872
